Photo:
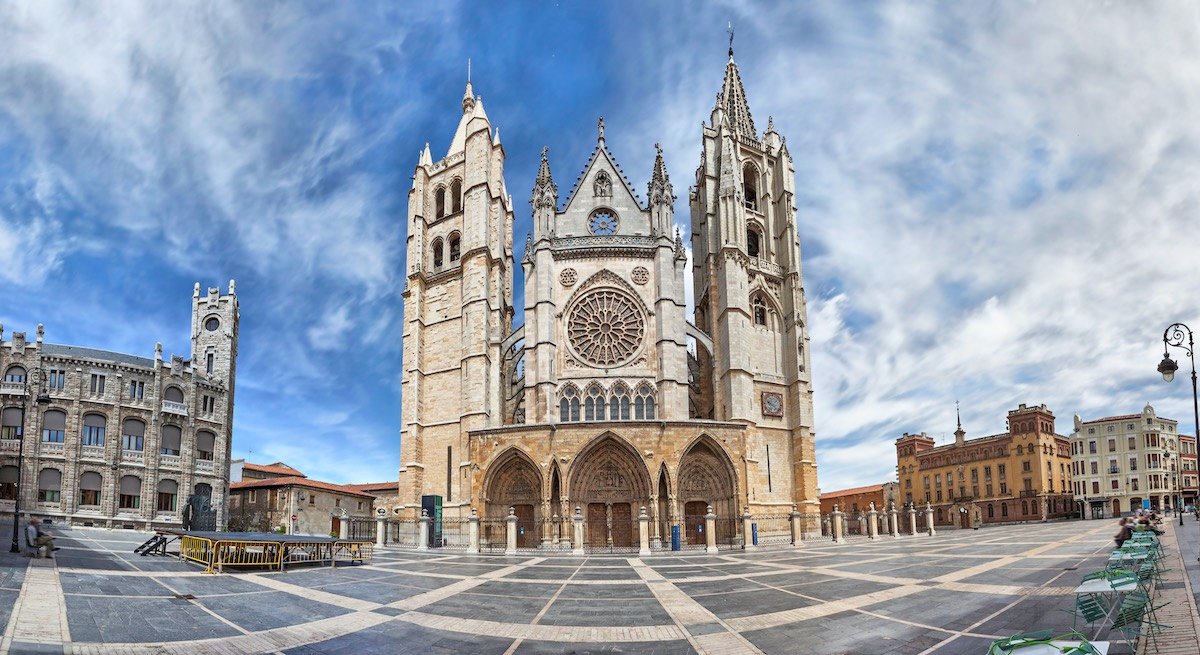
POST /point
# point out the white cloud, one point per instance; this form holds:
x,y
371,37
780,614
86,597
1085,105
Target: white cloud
x,y
997,206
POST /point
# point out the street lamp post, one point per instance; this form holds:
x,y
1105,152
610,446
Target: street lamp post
x,y
1173,336
43,399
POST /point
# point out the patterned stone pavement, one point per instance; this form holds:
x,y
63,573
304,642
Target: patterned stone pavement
x,y
947,594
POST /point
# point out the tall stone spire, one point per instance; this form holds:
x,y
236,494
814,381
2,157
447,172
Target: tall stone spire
x,y
545,191
732,100
960,434
660,190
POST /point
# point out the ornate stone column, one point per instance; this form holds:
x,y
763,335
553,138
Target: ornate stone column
x,y
547,526
423,532
748,531
710,532
643,533
473,532
655,523
912,520
892,520
872,522
797,529
929,519
511,546
380,531
835,519
577,520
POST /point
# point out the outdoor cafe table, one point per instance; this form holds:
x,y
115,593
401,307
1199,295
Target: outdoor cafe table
x,y
1102,586
1057,648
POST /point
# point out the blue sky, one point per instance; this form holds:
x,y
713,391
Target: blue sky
x,y
997,201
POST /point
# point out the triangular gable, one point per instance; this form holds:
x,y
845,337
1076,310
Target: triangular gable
x,y
586,174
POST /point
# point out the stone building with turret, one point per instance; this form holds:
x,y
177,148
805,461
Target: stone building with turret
x,y
117,440
607,399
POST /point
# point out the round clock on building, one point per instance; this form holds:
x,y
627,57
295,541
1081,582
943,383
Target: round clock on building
x,y
772,404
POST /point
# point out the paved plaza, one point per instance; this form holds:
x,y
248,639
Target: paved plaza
x,y
951,593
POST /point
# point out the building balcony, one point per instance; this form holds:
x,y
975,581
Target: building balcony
x,y
92,452
1030,493
205,466
12,388
135,457
10,445
172,407
52,449
169,461
764,266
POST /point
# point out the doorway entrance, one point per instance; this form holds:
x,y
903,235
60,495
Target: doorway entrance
x,y
526,533
693,518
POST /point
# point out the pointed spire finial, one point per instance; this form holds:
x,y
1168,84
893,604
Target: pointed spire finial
x,y
958,414
545,191
468,69
730,30
600,130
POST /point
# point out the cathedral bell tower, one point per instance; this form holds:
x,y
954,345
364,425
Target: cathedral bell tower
x,y
749,288
457,308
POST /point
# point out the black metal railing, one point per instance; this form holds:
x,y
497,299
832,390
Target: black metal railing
x,y
361,529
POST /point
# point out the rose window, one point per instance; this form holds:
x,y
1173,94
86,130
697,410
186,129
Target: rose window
x,y
605,328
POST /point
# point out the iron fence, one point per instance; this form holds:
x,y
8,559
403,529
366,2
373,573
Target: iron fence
x,y
403,532
773,528
728,532
493,535
455,534
691,532
361,529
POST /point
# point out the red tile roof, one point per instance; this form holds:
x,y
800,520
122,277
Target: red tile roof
x,y
1123,417
278,468
855,490
297,481
388,488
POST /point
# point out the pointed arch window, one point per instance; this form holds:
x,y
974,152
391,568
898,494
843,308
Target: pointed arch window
x,y
455,248
568,406
753,241
760,310
594,404
750,186
643,404
456,195
437,253
439,201
618,403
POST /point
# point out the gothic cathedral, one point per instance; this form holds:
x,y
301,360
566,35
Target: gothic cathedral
x,y
607,399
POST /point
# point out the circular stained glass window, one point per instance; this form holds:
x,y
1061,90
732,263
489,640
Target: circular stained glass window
x,y
605,328
212,324
602,223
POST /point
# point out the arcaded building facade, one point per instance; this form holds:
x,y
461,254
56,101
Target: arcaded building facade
x,y
124,440
609,397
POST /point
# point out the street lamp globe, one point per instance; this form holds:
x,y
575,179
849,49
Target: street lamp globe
x,y
1167,367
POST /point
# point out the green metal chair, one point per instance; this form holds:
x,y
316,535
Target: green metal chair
x,y
1089,607
1134,620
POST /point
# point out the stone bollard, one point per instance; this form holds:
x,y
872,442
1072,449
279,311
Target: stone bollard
x,y
892,520
423,533
643,533
473,532
835,518
344,528
872,522
380,531
710,531
797,529
578,526
929,519
511,547
748,530
912,520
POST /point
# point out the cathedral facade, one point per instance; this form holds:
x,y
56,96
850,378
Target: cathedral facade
x,y
607,399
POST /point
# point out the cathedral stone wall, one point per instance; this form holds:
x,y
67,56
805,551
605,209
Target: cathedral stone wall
x,y
608,398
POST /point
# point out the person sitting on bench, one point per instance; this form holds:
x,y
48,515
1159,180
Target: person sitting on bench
x,y
39,537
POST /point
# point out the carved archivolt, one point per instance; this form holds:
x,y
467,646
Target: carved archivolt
x,y
705,475
514,481
610,472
